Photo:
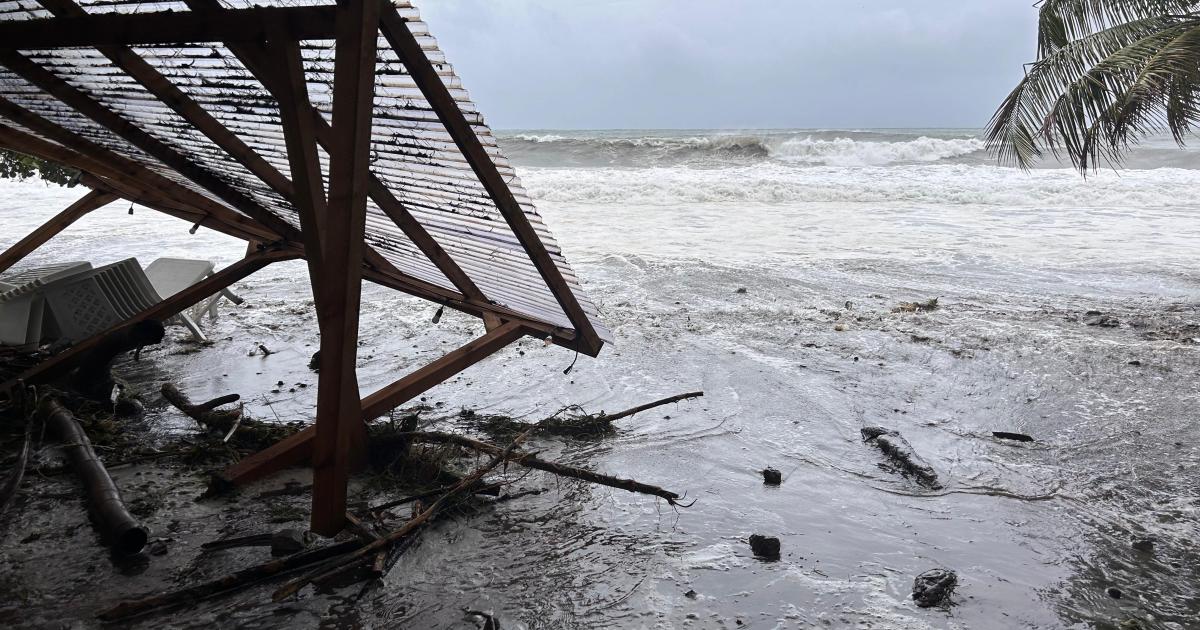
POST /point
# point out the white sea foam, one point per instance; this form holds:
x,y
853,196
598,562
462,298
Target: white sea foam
x,y
848,152
954,184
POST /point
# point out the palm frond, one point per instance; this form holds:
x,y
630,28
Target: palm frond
x,y
1093,95
1060,21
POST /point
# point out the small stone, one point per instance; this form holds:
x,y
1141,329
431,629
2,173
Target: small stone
x,y
691,594
839,327
279,383
1113,592
1135,362
765,546
288,541
740,290
1145,545
933,587
314,363
772,477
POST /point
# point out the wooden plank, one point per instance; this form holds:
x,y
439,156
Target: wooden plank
x,y
297,448
168,27
137,190
91,201
60,363
340,443
395,30
300,138
404,390
84,104
104,162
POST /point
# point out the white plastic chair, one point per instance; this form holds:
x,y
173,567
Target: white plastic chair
x,y
22,303
172,275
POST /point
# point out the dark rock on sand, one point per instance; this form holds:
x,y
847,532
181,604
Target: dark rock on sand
x,y
1005,435
1145,545
765,546
772,477
1113,592
314,363
902,455
933,587
1096,318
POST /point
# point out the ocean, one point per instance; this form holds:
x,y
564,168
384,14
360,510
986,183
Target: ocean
x,y
768,268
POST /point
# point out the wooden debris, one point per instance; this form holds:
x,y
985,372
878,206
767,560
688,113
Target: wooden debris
x,y
340,565
239,579
917,307
1005,435
571,421
207,413
117,527
530,460
901,453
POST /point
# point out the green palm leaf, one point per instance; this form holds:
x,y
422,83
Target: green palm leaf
x,y
1108,74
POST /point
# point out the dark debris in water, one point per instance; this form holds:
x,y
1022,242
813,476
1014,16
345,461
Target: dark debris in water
x,y
933,587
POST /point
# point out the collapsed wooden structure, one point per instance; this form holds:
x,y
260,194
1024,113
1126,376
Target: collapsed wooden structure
x,y
337,134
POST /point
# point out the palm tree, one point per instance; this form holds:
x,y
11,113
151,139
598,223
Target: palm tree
x,y
1109,72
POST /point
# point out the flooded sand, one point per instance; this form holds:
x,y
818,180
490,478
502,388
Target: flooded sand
x,y
792,368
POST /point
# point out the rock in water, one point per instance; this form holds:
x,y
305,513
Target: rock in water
x,y
933,587
765,546
1005,435
902,455
772,477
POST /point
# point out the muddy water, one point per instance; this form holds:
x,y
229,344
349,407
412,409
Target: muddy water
x,y
792,368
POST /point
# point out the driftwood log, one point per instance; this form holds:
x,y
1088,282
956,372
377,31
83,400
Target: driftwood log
x,y
206,414
902,455
93,378
117,527
658,403
530,460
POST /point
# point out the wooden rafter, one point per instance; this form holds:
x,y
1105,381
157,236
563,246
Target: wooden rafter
x,y
50,83
168,27
131,180
406,46
91,201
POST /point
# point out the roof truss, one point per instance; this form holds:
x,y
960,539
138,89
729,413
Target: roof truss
x,y
330,177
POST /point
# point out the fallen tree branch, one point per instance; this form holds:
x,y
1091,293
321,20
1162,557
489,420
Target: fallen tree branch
x,y
245,577
529,460
657,403
118,528
340,565
205,413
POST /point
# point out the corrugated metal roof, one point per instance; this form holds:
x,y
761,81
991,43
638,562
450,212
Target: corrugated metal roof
x,y
413,155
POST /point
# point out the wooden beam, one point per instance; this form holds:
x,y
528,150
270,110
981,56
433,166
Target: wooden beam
x,y
300,138
62,362
259,62
100,176
406,46
297,448
167,27
91,201
102,161
84,104
340,435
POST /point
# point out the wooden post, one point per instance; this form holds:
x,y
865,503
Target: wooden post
x,y
298,447
340,433
91,201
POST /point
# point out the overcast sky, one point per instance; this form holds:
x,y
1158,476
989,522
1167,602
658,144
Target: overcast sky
x,y
597,64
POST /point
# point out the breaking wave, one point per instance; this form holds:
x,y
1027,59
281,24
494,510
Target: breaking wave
x,y
957,184
820,148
